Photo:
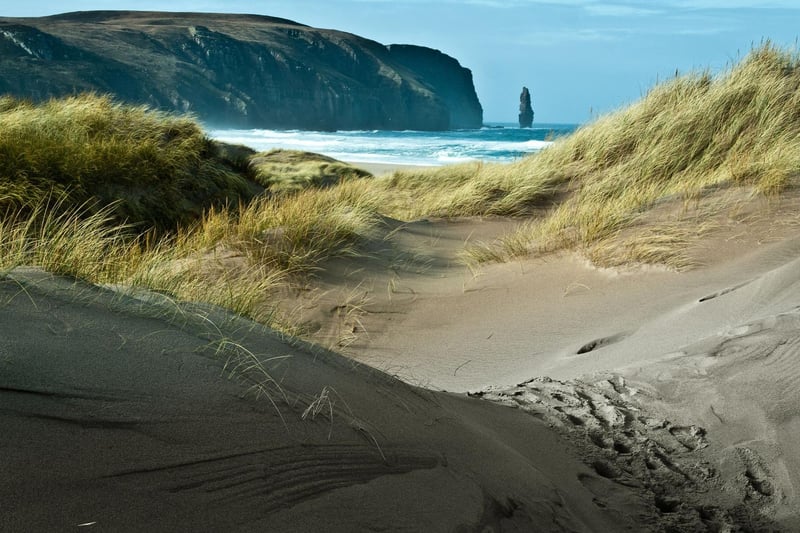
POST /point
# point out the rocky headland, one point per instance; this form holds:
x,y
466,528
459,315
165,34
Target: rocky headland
x,y
238,70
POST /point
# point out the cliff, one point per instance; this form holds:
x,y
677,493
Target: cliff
x,y
238,70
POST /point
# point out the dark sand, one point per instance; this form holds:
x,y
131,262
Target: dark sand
x,y
118,415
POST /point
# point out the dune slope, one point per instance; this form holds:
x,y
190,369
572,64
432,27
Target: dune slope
x,y
119,411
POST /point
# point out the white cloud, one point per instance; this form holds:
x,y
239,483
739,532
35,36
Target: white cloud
x,y
733,4
563,36
578,35
617,10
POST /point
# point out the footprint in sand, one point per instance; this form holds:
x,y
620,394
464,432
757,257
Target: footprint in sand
x,y
691,437
599,343
723,292
757,475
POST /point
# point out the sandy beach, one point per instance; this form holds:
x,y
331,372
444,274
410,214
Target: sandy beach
x,y
541,391
380,169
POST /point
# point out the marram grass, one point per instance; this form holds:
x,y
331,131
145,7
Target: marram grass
x,y
158,170
233,257
688,137
122,195
129,197
125,195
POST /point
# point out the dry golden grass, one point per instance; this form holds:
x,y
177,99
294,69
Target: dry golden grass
x,y
285,171
234,258
91,247
594,191
688,137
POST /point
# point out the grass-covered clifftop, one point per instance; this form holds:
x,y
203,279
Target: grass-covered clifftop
x,y
84,181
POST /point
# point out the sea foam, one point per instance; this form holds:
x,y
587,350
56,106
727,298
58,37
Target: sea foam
x,y
491,144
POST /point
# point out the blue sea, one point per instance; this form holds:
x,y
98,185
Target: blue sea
x,y
495,142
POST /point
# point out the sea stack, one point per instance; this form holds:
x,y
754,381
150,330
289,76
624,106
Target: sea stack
x,y
525,109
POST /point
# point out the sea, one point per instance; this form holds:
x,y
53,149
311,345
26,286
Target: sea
x,y
495,142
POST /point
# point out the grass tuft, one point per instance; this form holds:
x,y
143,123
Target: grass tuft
x,y
286,171
686,139
156,169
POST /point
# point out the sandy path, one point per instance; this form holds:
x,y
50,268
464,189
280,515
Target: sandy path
x,y
714,348
681,411
441,325
117,415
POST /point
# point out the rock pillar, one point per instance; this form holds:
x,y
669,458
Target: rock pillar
x,y
525,109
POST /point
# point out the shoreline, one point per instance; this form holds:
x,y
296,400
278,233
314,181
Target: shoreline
x,y
381,169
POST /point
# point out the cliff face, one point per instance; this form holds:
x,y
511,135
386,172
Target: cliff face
x,y
238,70
447,79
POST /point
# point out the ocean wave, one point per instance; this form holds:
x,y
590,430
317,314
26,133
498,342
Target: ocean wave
x,y
399,147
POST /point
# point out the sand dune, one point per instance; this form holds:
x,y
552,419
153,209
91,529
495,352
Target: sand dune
x,y
670,402
118,414
541,394
709,352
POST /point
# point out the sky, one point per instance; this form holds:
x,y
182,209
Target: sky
x,y
579,58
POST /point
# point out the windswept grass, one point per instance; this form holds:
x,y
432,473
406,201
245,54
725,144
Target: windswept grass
x,y
234,258
125,195
468,189
91,247
122,195
158,170
284,171
66,240
297,232
688,137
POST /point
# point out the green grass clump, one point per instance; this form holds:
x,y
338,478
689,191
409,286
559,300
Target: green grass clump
x,y
283,171
158,170
296,233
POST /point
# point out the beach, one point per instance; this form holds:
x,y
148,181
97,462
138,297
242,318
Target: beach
x,y
382,169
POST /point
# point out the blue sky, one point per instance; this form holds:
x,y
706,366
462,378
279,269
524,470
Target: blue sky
x,y
580,58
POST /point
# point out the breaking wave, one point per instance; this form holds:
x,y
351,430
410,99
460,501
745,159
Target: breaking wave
x,y
494,143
